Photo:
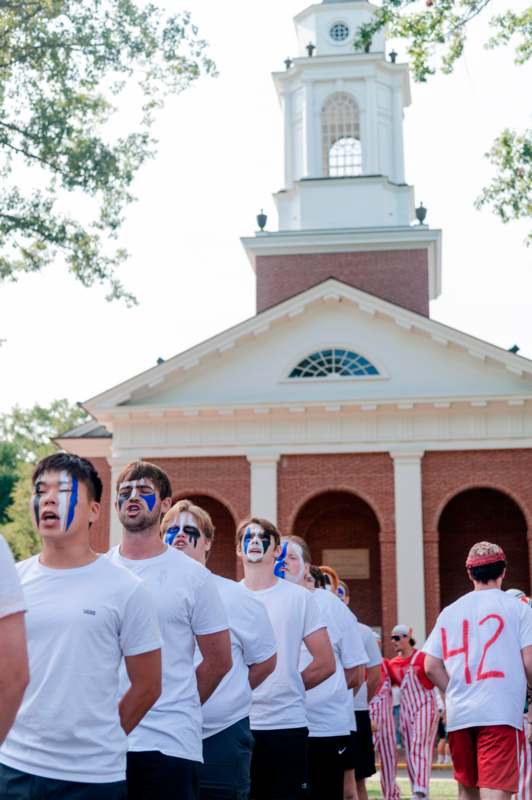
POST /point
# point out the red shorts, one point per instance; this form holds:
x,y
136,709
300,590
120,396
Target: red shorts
x,y
486,757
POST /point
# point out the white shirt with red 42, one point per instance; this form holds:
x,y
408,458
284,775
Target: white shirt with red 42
x,y
479,638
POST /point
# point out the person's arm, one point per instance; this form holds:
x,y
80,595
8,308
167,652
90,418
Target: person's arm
x,y
144,672
14,671
526,655
373,680
217,660
436,672
354,677
259,672
323,664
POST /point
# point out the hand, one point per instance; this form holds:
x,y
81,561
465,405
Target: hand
x,y
529,730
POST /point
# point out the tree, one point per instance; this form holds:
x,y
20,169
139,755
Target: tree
x,y
26,437
65,67
436,36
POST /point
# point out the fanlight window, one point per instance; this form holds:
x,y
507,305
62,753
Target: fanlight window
x,y
334,362
340,130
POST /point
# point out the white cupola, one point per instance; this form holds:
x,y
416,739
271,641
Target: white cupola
x,y
343,126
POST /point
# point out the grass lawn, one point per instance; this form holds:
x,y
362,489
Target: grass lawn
x,y
439,789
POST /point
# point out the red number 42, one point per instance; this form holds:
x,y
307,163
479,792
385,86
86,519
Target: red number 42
x,y
481,675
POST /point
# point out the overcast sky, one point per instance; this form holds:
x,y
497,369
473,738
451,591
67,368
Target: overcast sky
x,y
219,161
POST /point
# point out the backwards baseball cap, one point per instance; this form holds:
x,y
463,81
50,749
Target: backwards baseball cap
x,y
483,553
401,630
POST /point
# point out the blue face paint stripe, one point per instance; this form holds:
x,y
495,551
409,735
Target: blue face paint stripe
x,y
37,509
170,535
279,570
149,499
73,503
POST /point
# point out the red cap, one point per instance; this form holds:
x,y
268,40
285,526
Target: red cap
x,y
483,553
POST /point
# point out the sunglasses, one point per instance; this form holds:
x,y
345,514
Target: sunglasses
x,y
396,638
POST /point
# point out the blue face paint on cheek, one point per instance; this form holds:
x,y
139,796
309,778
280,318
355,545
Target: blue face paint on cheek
x,y
247,540
150,500
279,569
170,535
73,503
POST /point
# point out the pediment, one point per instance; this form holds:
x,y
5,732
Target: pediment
x,y
417,360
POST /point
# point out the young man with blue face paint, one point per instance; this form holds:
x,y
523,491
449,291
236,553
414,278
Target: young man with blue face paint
x,y
84,615
227,741
328,705
165,751
278,718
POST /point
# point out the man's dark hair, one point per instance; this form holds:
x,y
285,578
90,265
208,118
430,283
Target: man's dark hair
x,y
76,466
488,572
319,577
145,469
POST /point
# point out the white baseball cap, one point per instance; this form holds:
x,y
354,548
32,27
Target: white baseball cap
x,y
401,630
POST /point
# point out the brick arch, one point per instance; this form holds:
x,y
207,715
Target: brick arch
x,y
222,560
188,494
327,490
496,486
341,519
480,513
369,476
446,474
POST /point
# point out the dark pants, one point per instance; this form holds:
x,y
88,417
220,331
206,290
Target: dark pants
x,y
279,764
16,785
224,775
153,776
326,767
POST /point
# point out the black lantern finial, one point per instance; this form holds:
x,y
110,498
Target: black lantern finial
x,y
421,213
262,220
310,49
393,56
288,62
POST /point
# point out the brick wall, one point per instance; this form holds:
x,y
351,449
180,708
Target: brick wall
x,y
226,482
446,475
400,276
99,535
368,481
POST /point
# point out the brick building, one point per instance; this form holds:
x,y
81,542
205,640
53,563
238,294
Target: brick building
x,y
389,441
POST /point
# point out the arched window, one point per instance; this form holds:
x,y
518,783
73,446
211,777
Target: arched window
x,y
340,131
334,362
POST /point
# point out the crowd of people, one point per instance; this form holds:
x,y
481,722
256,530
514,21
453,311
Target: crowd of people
x,y
141,674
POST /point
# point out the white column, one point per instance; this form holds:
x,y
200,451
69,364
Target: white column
x,y
288,139
263,500
397,137
115,528
409,542
308,131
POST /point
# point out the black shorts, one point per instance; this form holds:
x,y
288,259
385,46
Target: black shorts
x,y
326,766
364,754
17,785
224,775
279,764
151,774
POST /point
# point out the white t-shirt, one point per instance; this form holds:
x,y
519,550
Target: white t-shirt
x,y
328,705
188,605
11,597
80,623
252,642
374,658
279,702
488,686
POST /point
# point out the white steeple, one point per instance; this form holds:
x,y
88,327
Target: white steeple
x,y
343,126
